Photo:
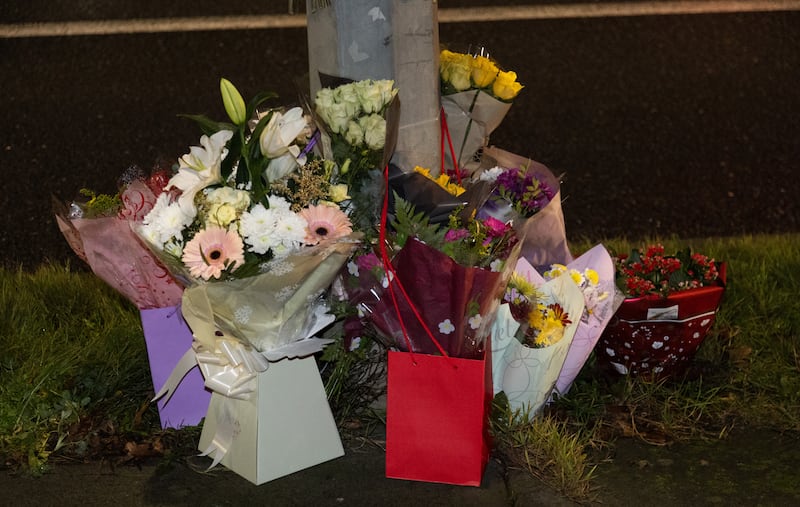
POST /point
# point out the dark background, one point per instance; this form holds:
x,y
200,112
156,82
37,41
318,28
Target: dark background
x,y
664,125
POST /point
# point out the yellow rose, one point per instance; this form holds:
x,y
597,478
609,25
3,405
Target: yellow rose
x,y
484,71
505,86
221,215
338,193
456,69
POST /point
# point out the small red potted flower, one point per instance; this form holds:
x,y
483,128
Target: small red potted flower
x,y
670,304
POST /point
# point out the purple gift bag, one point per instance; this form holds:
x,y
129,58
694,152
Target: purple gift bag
x,y
168,338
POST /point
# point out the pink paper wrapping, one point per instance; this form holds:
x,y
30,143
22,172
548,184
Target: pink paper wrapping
x,y
168,337
117,256
591,326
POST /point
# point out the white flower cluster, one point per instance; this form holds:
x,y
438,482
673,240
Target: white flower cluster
x,y
276,228
355,111
588,281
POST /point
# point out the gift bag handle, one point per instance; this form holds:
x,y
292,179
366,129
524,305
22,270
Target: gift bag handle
x,y
446,135
391,277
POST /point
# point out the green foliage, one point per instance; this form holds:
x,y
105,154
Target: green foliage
x,y
407,223
548,448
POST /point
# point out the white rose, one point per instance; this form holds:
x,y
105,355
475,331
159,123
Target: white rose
x,y
348,96
354,135
374,131
370,97
323,102
338,118
238,199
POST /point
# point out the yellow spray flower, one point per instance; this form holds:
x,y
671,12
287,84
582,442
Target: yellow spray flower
x,y
592,276
442,180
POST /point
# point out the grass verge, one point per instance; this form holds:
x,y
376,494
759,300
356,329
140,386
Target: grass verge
x,y
75,383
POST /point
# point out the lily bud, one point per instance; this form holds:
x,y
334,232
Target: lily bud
x,y
233,101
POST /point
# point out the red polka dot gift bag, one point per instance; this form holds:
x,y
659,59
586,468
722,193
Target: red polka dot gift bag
x,y
671,302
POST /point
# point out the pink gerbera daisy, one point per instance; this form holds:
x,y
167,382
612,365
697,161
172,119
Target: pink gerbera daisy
x,y
211,251
325,222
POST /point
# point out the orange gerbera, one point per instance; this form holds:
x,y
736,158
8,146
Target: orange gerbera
x,y
325,222
212,251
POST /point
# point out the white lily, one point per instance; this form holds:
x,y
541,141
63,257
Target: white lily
x,y
280,134
199,168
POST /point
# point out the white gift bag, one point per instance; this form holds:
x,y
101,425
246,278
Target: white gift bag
x,y
284,427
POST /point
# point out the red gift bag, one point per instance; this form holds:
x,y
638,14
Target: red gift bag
x,y
659,336
437,418
437,408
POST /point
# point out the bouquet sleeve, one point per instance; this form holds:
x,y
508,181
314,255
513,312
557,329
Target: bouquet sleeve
x,y
457,303
600,307
117,256
471,118
528,375
545,236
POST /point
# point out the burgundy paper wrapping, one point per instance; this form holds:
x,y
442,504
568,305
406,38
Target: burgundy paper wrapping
x,y
658,336
168,337
440,289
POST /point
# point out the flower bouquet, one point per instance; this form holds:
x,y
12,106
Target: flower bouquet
x,y
359,121
527,194
670,304
257,228
532,336
99,231
431,292
593,272
476,95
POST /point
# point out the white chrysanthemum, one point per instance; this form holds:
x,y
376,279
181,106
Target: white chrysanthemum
x,y
290,230
491,175
165,221
352,268
278,203
257,228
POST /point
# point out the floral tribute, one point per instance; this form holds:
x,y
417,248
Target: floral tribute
x,y
248,195
98,228
650,271
256,225
516,189
454,274
359,121
532,336
476,95
670,305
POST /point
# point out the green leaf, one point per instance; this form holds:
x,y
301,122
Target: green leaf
x,y
257,101
233,101
207,125
233,156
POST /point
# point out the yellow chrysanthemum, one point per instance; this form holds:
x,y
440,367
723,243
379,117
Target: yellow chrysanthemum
x,y
592,276
577,277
